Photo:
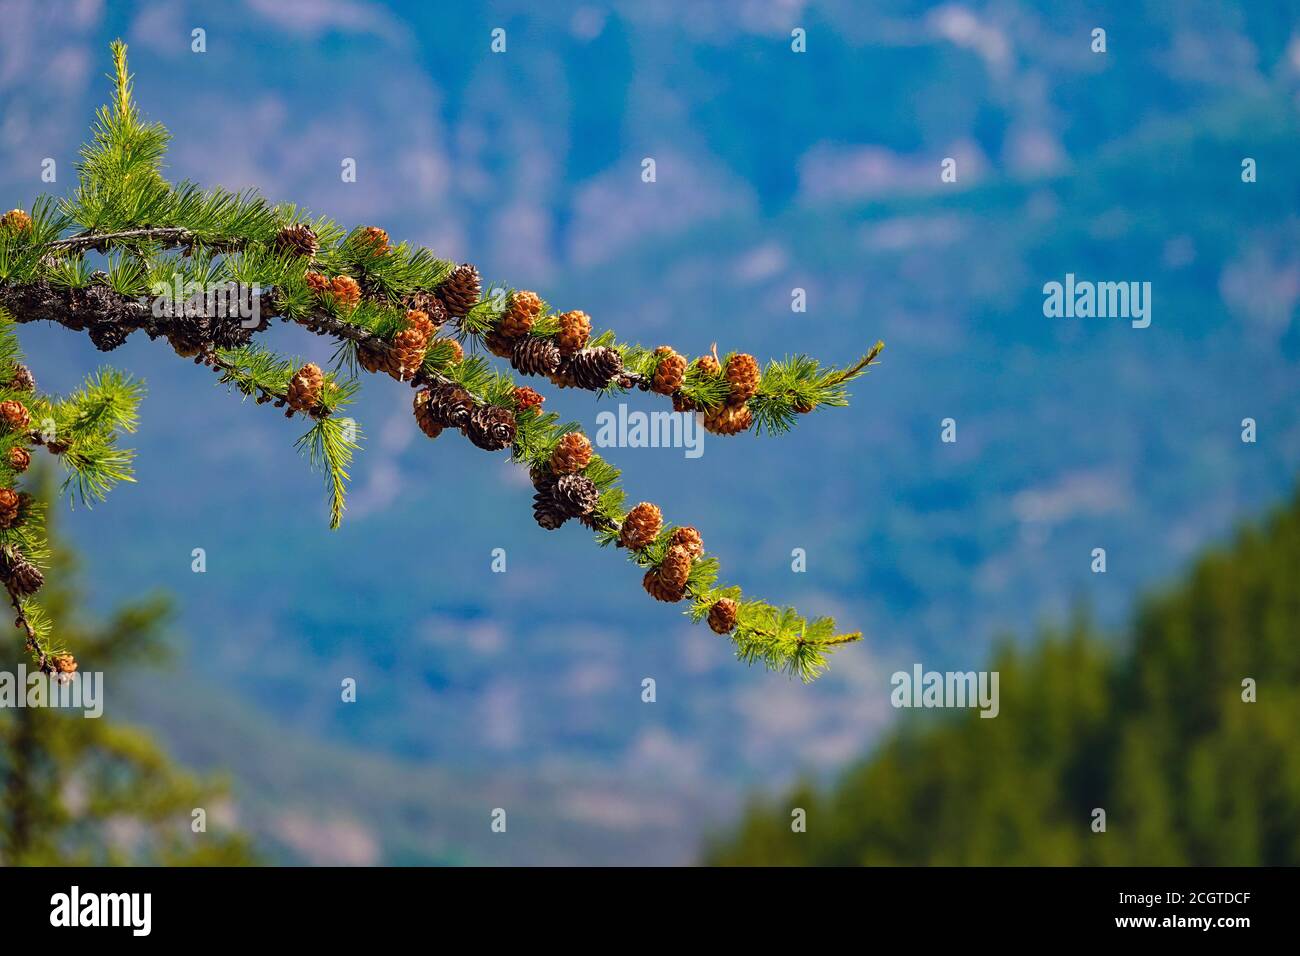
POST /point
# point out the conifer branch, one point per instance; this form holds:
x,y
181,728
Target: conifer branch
x,y
383,305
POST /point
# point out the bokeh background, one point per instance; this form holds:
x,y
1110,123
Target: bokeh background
x,y
776,170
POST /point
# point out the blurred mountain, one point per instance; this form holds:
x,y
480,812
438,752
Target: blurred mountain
x,y
1182,733
775,171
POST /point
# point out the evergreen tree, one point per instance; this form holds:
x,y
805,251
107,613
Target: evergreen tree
x,y
1192,764
387,306
90,790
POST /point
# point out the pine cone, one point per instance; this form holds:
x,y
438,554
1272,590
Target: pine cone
x,y
668,583
21,576
64,663
297,240
14,415
22,380
683,404
457,353
722,616
804,407
491,427
317,283
728,420
575,329
424,415
19,458
676,568
670,372
450,405
688,538
547,512
108,335
571,455
526,398
373,239
346,292
708,365
641,526
371,358
562,377
535,356
744,375
305,388
575,495
429,304
593,368
522,312
17,220
499,344
10,503
406,353
461,290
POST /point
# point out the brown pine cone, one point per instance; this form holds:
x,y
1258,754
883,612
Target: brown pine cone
x,y
10,503
594,368
305,388
670,372
499,344
20,576
535,356
373,239
371,357
109,335
572,454
546,511
298,240
575,494
728,420
491,427
318,284
19,458
641,526
668,582
17,220
457,353
450,405
722,616
64,663
346,292
683,404
424,415
526,398
461,290
520,314
708,365
744,376
562,377
22,380
14,415
429,304
676,568
804,407
406,354
575,329
688,538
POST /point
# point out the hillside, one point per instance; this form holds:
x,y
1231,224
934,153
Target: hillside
x,y
1154,728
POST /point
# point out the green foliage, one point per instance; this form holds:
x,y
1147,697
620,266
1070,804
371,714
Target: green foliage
x,y
1154,730
329,447
70,787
